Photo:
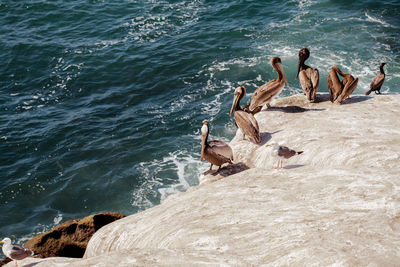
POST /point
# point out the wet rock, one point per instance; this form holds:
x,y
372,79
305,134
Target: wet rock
x,y
70,238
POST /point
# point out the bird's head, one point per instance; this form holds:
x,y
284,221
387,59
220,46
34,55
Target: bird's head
x,y
277,64
204,135
204,128
304,53
238,95
6,241
273,145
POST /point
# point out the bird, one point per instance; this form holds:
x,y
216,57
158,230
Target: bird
x,y
264,94
243,119
340,90
216,152
15,252
377,82
282,152
309,77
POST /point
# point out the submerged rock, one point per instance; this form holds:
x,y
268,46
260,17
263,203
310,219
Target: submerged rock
x,y
70,238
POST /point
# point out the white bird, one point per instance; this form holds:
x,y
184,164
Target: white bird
x,y
282,152
15,252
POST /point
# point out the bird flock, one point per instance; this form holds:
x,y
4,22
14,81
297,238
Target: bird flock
x,y
218,152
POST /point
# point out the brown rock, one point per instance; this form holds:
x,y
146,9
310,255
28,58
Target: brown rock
x,y
70,238
5,261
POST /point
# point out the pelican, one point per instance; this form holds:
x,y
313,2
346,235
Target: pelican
x,y
264,94
216,152
377,82
309,77
281,152
340,90
15,252
245,120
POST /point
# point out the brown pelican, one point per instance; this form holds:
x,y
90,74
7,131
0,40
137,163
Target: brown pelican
x,y
216,152
264,94
15,252
309,77
282,152
245,120
377,82
340,90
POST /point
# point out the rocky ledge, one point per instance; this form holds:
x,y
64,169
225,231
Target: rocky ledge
x,y
338,203
69,239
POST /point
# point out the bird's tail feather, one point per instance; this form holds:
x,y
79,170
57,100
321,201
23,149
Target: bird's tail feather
x,y
368,92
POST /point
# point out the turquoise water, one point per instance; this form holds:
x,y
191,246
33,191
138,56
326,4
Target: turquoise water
x,y
101,102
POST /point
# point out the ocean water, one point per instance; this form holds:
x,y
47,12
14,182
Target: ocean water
x,y
101,102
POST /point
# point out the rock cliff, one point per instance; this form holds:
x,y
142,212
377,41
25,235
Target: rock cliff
x,y
337,203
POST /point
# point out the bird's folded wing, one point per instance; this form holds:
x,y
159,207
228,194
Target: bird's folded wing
x,y
377,82
286,152
221,148
19,253
315,79
305,81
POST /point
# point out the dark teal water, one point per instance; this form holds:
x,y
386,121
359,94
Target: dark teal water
x,y
101,102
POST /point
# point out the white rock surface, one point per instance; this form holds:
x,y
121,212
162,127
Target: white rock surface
x,y
338,203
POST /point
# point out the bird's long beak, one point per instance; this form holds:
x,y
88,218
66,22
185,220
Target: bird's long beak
x,y
283,73
298,67
267,145
234,104
1,242
203,146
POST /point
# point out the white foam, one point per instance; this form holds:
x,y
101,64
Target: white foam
x,y
180,169
187,169
305,3
58,219
373,19
149,28
213,107
184,166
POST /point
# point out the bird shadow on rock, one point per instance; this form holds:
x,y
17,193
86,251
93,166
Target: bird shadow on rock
x,y
356,99
350,100
32,264
319,98
228,170
293,109
265,137
295,166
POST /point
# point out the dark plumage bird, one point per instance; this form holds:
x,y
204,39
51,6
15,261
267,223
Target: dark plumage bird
x,y
309,77
264,94
15,252
377,82
245,120
340,90
216,152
